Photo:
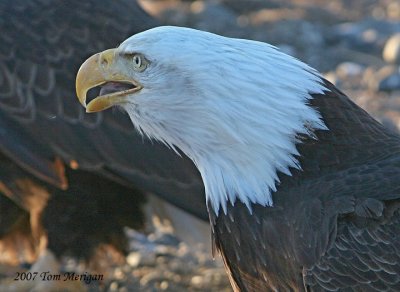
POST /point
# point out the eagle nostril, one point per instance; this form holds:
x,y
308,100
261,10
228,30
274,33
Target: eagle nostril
x,y
104,62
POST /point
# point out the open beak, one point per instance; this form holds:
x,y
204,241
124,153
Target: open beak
x,y
102,70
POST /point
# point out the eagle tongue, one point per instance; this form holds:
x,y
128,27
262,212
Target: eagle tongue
x,y
113,87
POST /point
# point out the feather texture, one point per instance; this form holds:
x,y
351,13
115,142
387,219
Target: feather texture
x,y
233,106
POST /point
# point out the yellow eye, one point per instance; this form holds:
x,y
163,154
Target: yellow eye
x,y
137,61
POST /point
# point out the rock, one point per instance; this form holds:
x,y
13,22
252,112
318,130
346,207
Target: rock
x,y
164,285
367,36
302,34
113,286
393,10
152,277
164,239
391,51
141,258
133,259
135,236
208,12
390,83
373,78
349,70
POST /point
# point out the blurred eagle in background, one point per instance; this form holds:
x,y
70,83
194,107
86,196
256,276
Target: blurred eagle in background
x,y
71,181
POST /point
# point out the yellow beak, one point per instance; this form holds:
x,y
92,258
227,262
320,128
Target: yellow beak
x,y
98,70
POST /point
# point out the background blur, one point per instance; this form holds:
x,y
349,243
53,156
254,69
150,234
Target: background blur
x,y
355,44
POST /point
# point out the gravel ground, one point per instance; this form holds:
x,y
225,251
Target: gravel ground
x,y
356,44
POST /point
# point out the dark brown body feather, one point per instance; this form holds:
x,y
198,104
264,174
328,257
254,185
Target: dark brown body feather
x,y
44,130
42,45
334,225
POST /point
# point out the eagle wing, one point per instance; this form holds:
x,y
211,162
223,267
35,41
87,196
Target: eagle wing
x,y
362,188
365,254
345,242
42,46
359,246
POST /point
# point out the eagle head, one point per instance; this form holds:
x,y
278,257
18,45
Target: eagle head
x,y
233,106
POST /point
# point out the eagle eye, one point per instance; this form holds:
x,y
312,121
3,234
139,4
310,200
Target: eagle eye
x,y
139,62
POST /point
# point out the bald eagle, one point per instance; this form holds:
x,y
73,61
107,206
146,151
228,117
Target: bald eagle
x,y
302,185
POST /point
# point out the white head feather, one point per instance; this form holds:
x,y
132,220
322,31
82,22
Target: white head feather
x,y
233,106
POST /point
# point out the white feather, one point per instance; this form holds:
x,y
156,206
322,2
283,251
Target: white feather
x,y
233,106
